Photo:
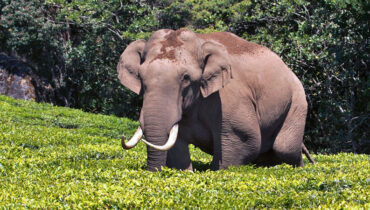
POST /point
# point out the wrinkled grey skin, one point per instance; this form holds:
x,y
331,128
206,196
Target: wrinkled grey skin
x,y
233,99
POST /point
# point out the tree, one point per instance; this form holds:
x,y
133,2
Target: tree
x,y
76,45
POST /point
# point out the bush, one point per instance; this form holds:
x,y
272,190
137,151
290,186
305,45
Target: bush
x,y
54,157
76,45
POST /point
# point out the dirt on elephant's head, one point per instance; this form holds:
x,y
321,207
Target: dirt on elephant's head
x,y
169,44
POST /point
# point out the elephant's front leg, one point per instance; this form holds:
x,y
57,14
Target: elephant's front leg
x,y
239,142
179,157
235,150
239,149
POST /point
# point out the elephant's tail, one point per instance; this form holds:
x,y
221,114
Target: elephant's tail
x,y
305,151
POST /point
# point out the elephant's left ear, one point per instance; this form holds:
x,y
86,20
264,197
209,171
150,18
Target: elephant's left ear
x,y
216,68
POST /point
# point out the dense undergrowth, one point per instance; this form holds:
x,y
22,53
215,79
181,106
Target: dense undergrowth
x,y
52,157
74,46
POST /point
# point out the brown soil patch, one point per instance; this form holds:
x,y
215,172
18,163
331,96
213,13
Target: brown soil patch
x,y
233,44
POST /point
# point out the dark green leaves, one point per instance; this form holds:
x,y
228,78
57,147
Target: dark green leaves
x,y
75,47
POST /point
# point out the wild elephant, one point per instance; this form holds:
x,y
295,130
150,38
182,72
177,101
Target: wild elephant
x,y
233,99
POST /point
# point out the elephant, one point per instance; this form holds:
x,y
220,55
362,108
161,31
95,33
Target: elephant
x,y
234,99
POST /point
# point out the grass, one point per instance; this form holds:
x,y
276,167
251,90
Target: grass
x,y
53,157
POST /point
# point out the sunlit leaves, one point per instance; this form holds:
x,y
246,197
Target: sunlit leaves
x,y
47,163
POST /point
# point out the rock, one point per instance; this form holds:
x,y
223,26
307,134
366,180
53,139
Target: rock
x,y
17,80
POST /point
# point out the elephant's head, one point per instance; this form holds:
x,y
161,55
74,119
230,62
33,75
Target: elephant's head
x,y
172,70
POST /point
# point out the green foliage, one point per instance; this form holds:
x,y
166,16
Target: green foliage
x,y
26,32
76,45
53,157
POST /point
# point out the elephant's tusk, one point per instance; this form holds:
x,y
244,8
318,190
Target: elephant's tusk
x,y
170,141
133,141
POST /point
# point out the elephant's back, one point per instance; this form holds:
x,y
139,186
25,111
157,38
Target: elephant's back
x,y
233,44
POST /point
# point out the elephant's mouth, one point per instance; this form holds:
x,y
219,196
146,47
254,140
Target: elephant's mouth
x,y
139,133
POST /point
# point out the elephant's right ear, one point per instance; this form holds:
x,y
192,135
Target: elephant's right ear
x,y
128,65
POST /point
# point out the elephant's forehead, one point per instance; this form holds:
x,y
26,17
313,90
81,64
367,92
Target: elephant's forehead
x,y
172,69
171,55
162,72
158,67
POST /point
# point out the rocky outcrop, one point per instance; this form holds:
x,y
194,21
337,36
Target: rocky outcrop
x,y
18,80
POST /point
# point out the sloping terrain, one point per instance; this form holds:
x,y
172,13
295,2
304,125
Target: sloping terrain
x,y
53,157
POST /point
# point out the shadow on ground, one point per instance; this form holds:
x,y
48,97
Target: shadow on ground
x,y
200,166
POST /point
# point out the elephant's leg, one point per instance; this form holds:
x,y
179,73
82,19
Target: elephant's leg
x,y
288,143
240,140
239,150
179,157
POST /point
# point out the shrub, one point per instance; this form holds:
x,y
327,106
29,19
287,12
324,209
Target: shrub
x,y
76,45
55,157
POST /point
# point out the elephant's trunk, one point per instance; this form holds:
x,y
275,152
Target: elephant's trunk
x,y
155,135
159,121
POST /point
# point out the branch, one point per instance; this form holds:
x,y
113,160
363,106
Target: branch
x,y
113,31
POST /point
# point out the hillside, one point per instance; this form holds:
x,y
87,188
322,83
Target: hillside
x,y
53,157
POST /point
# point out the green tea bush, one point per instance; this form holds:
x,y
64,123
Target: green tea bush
x,y
54,157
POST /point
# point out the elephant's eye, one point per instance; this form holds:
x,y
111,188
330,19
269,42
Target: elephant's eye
x,y
186,77
185,80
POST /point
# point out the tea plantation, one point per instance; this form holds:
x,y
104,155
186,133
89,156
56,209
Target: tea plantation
x,y
52,157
